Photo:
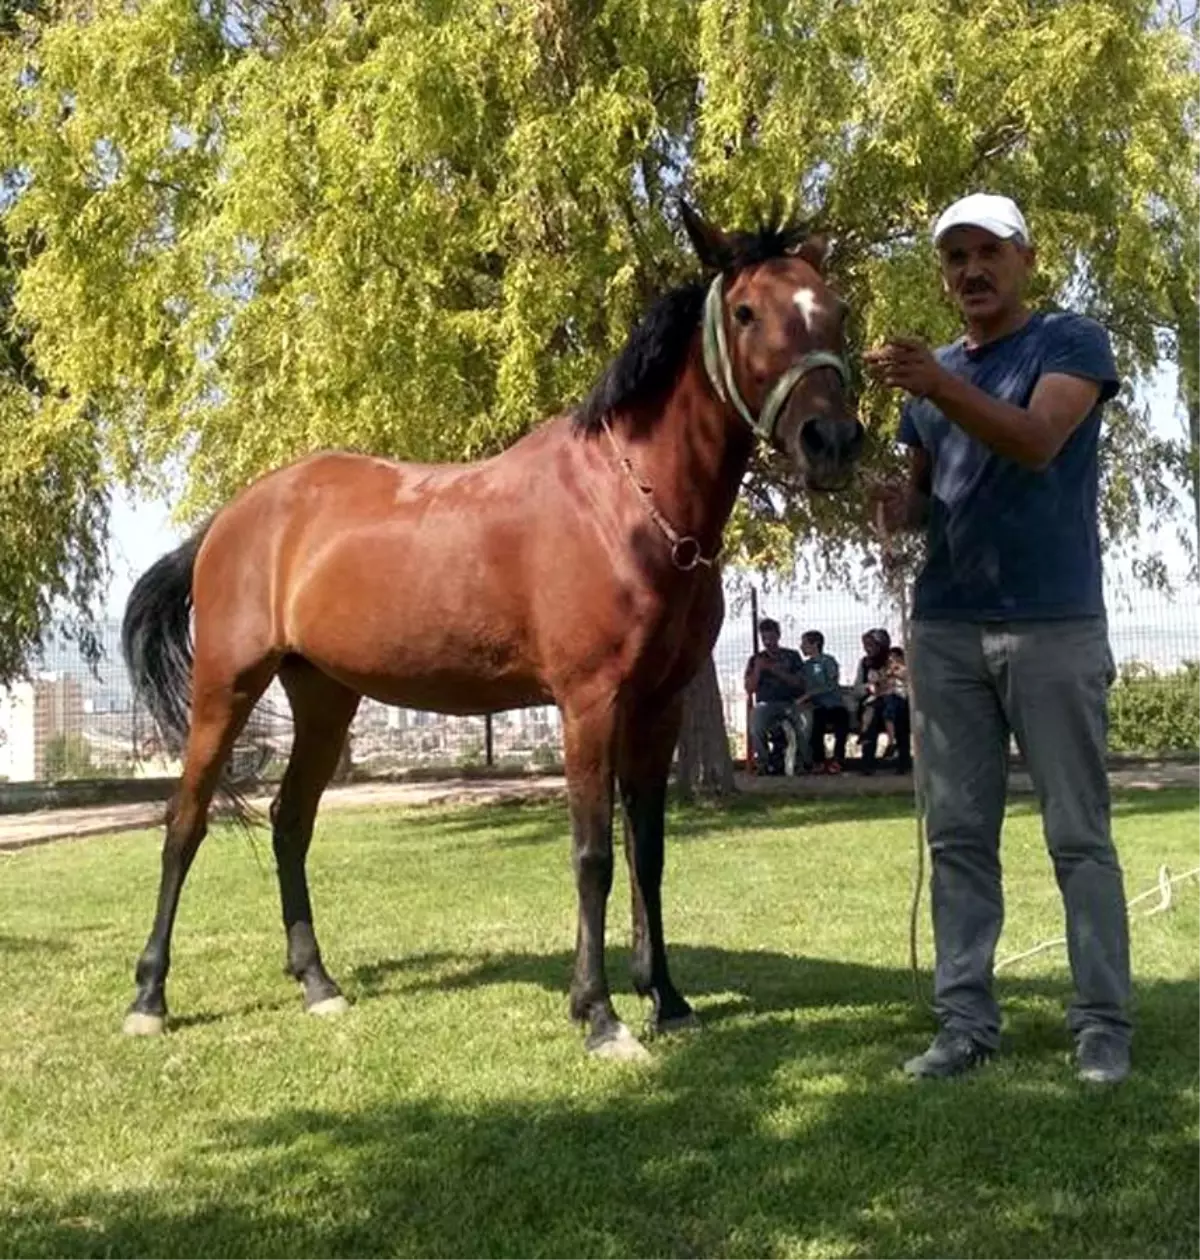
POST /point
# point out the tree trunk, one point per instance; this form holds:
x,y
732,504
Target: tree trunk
x,y
705,763
345,766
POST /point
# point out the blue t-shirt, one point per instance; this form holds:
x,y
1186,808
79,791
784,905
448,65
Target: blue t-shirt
x,y
821,681
1007,543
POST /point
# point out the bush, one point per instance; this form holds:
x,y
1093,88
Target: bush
x,y
546,756
69,756
1155,713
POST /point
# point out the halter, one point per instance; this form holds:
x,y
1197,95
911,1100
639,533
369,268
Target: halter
x,y
685,550
720,370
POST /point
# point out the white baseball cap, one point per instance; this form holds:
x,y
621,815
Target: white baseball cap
x,y
998,215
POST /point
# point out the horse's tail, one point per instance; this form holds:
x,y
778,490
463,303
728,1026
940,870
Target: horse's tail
x,y
156,640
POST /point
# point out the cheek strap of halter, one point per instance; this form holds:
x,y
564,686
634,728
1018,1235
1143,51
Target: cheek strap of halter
x,y
720,369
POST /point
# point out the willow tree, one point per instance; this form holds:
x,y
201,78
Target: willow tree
x,y
53,501
249,230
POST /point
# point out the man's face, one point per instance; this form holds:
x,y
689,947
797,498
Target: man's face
x,y
770,639
985,276
808,647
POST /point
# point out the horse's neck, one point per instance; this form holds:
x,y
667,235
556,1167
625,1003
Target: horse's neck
x,y
693,457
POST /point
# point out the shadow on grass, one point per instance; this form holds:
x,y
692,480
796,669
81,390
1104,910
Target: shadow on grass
x,y
761,980
758,1138
538,822
31,945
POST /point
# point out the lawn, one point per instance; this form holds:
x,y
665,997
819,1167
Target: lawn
x,y
453,1112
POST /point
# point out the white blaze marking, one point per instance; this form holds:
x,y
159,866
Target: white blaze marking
x,y
809,304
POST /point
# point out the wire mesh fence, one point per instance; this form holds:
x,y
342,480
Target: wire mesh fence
x,y
68,722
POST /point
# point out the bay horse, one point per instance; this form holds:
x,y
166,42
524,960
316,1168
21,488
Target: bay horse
x,y
579,566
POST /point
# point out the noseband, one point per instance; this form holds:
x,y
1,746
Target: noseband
x,y
720,369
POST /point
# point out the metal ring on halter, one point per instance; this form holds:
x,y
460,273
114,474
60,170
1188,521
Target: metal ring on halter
x,y
689,547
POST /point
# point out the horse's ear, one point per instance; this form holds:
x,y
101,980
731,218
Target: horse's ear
x,y
711,244
814,250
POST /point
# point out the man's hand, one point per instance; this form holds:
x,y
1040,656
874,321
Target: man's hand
x,y
895,507
906,363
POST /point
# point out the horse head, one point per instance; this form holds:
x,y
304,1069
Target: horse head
x,y
774,348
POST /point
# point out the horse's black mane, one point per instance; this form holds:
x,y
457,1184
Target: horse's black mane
x,y
650,361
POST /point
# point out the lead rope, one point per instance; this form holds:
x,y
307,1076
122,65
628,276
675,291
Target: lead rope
x,y
891,567
921,1000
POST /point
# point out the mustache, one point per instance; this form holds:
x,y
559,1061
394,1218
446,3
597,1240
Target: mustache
x,y
976,286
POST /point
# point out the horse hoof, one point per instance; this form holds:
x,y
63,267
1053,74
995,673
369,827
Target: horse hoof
x,y
139,1024
617,1043
690,1022
330,1006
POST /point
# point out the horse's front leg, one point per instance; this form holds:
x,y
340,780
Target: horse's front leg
x,y
588,754
644,754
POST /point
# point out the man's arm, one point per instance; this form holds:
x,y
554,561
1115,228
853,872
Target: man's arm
x,y
1033,435
1078,370
751,676
792,672
902,506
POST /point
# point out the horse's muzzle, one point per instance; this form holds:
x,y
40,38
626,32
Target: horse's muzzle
x,y
828,448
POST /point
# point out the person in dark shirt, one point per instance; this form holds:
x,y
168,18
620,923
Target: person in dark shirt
x,y
775,681
1008,633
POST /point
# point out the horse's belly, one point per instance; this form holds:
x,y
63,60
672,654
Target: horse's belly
x,y
444,691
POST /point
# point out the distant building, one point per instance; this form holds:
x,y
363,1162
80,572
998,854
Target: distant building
x,y
31,715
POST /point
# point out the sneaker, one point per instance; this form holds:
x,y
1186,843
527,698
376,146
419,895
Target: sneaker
x,y
834,767
949,1054
1102,1056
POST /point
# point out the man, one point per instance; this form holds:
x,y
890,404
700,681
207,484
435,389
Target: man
x,y
824,694
774,679
1008,628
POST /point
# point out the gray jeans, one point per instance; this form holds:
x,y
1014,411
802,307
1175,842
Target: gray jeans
x,y
766,714
1047,683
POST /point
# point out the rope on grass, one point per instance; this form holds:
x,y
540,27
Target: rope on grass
x,y
1163,889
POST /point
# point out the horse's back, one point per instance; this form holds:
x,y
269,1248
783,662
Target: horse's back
x,y
417,583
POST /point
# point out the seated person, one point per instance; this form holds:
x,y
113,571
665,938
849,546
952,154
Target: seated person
x,y
881,686
893,695
774,681
823,699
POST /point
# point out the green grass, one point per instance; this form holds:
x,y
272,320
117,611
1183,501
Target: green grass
x,y
453,1112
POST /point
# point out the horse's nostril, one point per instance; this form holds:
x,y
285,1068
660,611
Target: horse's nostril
x,y
812,439
830,438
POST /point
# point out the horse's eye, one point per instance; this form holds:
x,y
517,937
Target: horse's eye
x,y
743,314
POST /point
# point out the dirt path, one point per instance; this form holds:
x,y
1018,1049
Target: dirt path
x,y
19,831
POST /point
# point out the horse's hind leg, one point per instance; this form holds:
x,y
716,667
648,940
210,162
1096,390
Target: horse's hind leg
x,y
647,742
323,710
220,707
